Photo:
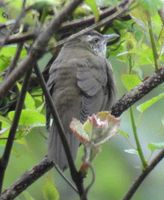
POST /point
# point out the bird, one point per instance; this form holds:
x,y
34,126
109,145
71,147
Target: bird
x,y
81,82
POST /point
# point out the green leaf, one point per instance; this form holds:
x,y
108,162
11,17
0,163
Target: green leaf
x,y
43,4
29,118
27,195
124,134
155,146
92,4
144,55
13,8
10,50
151,6
130,81
37,92
40,108
2,131
50,191
2,18
4,62
21,141
29,101
5,120
144,106
7,53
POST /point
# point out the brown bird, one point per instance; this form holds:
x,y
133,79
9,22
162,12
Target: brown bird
x,y
81,83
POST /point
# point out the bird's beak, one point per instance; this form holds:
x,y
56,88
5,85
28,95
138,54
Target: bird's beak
x,y
111,37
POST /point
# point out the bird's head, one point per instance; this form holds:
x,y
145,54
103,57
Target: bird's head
x,y
97,42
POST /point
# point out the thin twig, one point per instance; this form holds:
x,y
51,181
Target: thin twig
x,y
77,178
139,148
67,26
92,178
87,21
143,175
15,59
65,178
119,11
56,119
153,44
122,105
6,155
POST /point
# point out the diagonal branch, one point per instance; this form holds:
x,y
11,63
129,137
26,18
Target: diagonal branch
x,y
15,59
138,92
87,21
27,179
70,26
119,11
18,38
38,48
143,175
123,104
76,176
7,151
56,119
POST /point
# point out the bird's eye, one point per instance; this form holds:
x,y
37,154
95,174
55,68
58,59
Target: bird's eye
x,y
96,40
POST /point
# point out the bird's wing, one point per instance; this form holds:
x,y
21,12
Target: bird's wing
x,y
92,81
62,77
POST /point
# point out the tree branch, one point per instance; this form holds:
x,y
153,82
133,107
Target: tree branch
x,y
27,179
143,175
76,176
138,92
119,11
123,104
71,25
15,59
19,38
7,151
38,48
8,23
87,21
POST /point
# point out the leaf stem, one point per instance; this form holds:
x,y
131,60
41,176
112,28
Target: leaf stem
x,y
130,61
139,149
153,45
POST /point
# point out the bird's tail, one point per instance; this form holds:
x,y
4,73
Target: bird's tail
x,y
56,151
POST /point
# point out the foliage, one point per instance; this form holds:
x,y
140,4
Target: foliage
x,y
95,131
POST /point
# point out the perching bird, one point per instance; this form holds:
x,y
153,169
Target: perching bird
x,y
81,83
